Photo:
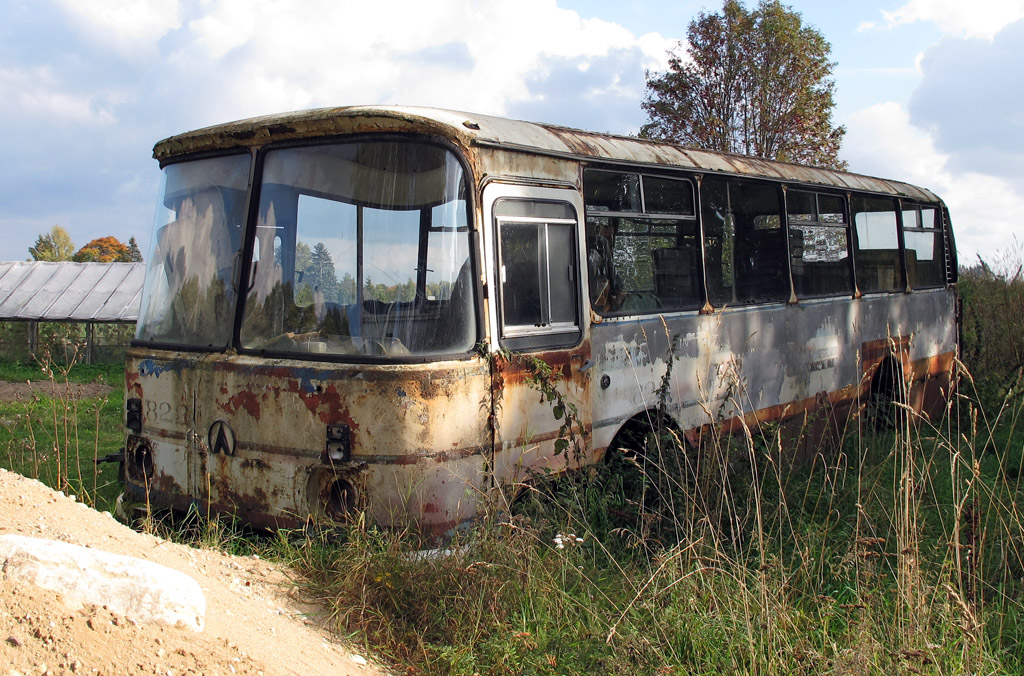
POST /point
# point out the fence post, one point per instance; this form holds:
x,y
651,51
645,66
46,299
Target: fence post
x,y
90,335
33,337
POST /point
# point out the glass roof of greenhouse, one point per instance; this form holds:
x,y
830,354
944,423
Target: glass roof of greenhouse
x,y
82,292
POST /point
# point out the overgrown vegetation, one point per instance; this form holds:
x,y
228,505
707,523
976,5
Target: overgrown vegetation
x,y
56,436
993,326
894,550
66,343
897,553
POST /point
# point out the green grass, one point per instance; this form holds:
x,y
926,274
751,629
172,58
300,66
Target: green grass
x,y
58,438
19,372
899,551
880,559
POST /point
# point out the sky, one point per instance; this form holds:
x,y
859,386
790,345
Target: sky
x,y
930,91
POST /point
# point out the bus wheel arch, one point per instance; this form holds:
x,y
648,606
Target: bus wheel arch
x,y
886,403
646,427
653,447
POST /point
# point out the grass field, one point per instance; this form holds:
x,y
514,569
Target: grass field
x,y
56,438
897,550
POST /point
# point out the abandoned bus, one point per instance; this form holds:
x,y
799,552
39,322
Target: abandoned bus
x,y
335,301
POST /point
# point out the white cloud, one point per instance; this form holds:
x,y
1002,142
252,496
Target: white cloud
x,y
656,48
89,85
968,98
267,57
130,27
981,18
38,94
881,141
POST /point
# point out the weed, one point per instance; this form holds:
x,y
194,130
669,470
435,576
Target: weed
x,y
896,548
57,437
897,551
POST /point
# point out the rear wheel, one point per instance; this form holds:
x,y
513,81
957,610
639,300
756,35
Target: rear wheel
x,y
885,408
652,478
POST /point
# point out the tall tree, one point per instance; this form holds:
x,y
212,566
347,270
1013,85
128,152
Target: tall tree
x,y
322,272
752,82
53,246
134,253
103,250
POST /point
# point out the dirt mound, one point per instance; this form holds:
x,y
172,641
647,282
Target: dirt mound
x,y
253,624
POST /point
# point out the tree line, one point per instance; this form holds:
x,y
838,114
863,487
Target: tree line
x,y
56,245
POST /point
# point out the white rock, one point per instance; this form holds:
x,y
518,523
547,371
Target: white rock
x,y
139,590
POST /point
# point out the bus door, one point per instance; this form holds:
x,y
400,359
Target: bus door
x,y
540,378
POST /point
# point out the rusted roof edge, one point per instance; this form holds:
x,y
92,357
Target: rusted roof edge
x,y
468,129
895,188
260,131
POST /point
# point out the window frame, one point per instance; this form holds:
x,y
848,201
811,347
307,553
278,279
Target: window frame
x,y
549,334
237,273
739,184
643,213
817,222
471,227
650,219
858,251
939,250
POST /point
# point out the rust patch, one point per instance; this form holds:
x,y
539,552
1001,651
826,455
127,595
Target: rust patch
x,y
823,416
231,502
245,400
162,484
322,481
131,378
808,420
512,373
873,352
324,403
424,457
576,141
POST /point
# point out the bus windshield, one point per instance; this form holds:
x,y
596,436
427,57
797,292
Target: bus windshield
x,y
189,296
361,248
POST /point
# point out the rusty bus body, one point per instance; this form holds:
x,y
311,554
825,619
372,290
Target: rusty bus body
x,y
263,384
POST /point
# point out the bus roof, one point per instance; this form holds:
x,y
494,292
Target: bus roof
x,y
471,129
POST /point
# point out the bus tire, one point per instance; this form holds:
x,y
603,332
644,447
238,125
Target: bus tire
x,y
886,405
647,465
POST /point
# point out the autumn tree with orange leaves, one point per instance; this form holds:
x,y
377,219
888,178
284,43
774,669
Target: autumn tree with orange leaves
x,y
108,250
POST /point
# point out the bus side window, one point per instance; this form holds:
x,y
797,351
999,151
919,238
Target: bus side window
x,y
925,250
818,244
877,252
642,248
539,280
744,244
524,274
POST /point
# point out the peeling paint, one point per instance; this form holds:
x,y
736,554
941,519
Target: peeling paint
x,y
423,443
